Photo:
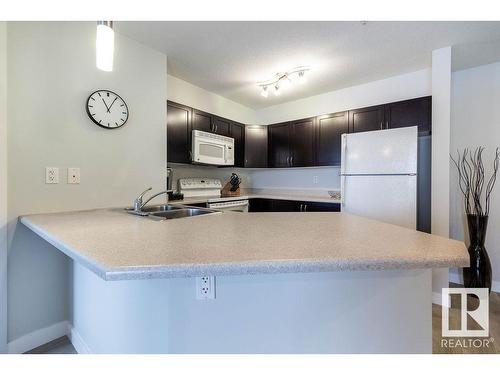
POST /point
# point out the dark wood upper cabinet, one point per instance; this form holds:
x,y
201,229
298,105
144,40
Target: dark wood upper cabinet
x,y
221,126
178,133
329,129
410,113
302,143
256,146
237,131
366,119
279,145
202,121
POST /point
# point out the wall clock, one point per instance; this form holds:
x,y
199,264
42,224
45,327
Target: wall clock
x,y
107,109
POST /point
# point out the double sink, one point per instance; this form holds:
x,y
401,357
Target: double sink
x,y
168,211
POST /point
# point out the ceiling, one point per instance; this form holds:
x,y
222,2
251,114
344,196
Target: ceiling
x,y
231,58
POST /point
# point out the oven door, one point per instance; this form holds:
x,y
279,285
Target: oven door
x,y
208,151
239,206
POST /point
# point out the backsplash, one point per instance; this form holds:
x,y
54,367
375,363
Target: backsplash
x,y
186,171
318,178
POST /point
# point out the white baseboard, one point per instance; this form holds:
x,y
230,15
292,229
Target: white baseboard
x,y
42,336
39,337
80,346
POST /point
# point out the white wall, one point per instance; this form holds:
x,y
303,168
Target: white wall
x,y
319,179
475,119
326,312
440,178
405,86
51,68
3,186
193,96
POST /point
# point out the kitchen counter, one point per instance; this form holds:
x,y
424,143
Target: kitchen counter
x,y
119,246
265,194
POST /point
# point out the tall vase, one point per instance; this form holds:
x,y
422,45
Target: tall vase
x,y
478,274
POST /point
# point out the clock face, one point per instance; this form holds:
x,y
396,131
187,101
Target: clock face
x,y
107,109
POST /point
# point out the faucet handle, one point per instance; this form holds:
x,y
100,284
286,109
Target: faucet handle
x,y
138,200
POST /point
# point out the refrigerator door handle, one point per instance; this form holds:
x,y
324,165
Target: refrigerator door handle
x,y
342,155
342,192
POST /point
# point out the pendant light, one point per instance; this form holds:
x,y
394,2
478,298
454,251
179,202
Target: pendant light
x,y
105,45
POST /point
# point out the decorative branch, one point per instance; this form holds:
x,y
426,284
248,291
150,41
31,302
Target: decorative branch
x,y
471,180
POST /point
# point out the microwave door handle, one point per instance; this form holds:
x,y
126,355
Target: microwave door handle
x,y
226,151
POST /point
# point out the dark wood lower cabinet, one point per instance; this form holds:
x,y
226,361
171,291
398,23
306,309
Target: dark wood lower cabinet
x,y
282,205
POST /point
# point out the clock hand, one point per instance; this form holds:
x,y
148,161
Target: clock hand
x,y
105,104
112,104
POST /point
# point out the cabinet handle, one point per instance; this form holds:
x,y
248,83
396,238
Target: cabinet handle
x,y
387,124
300,209
305,208
381,125
291,161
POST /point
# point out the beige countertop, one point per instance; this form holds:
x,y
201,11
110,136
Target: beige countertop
x,y
264,194
119,246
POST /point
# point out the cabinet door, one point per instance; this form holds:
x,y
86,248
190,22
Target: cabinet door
x,y
221,126
260,205
279,145
320,207
202,121
279,205
302,143
329,130
256,146
178,133
238,133
366,119
410,113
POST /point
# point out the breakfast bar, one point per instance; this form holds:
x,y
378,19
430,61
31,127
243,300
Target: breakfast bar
x,y
334,283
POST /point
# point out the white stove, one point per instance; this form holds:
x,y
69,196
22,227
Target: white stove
x,y
200,187
211,187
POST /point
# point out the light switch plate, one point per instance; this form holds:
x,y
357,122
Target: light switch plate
x,y
51,175
73,175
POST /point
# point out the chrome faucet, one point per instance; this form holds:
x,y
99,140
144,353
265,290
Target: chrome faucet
x,y
139,204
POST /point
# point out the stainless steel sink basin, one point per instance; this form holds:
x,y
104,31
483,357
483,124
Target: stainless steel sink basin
x,y
182,212
160,208
167,211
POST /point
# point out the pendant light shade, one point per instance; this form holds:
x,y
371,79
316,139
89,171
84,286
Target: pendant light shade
x,y
105,45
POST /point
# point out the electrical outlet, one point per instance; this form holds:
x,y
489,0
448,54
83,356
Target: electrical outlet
x,y
205,287
73,175
51,175
315,179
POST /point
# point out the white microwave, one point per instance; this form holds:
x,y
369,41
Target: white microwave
x,y
214,149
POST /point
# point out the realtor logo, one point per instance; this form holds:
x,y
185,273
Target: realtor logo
x,y
480,314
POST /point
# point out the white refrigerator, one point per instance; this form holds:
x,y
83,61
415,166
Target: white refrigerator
x,y
379,175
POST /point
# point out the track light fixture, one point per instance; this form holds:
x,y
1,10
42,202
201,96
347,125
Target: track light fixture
x,y
283,81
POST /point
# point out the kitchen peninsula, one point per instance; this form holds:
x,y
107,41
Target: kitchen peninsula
x,y
278,289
